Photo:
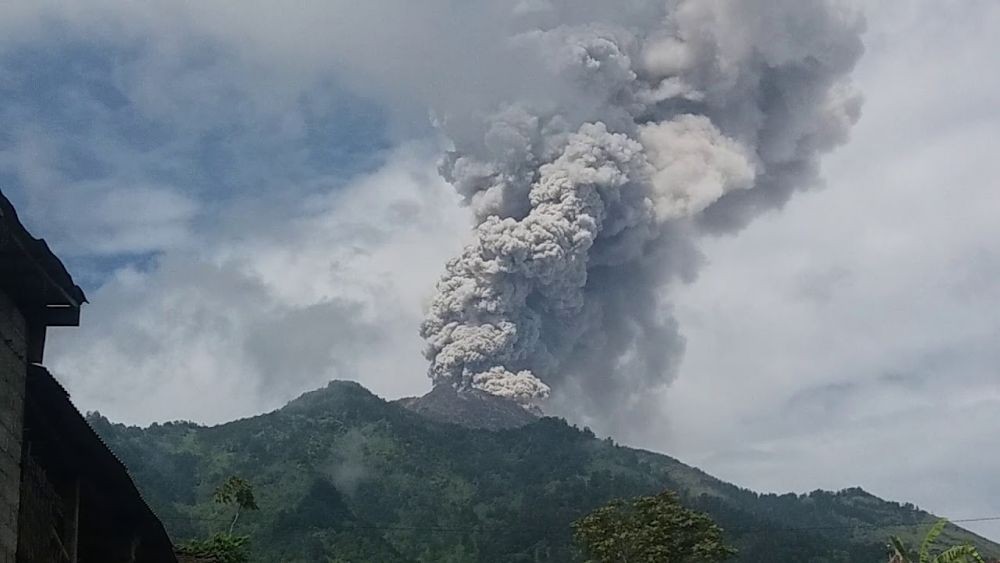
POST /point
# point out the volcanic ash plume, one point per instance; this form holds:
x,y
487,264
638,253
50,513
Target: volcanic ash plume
x,y
661,121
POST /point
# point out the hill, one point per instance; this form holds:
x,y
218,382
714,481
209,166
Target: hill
x,y
342,475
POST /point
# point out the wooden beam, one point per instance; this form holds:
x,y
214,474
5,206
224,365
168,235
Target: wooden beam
x,y
36,341
62,315
74,534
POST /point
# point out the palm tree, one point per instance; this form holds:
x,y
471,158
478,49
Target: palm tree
x,y
898,552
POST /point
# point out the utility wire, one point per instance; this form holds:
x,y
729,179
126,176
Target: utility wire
x,y
863,525
444,529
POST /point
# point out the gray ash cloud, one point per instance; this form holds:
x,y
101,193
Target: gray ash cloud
x,y
630,133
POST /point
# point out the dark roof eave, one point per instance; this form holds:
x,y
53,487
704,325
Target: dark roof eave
x,y
47,264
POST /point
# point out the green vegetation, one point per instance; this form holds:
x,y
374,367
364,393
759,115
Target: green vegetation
x,y
226,547
221,547
341,475
238,493
964,553
653,529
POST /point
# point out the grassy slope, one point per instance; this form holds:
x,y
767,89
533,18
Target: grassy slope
x,y
339,471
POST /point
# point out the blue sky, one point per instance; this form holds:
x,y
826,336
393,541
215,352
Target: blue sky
x,y
125,153
250,198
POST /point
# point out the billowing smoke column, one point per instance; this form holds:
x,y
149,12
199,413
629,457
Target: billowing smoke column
x,y
662,121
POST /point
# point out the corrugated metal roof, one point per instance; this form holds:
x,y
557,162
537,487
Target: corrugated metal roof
x,y
67,443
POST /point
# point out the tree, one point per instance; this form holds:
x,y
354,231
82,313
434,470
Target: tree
x,y
899,553
237,492
654,529
226,547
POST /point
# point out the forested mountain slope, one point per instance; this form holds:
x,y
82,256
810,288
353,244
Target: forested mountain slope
x,y
342,475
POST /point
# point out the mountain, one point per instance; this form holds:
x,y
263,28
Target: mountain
x,y
471,408
342,475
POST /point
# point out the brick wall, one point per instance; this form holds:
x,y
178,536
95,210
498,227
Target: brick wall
x,y
43,527
12,374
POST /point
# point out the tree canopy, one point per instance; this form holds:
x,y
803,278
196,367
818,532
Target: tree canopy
x,y
651,529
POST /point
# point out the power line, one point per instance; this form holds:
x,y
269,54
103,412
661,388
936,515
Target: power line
x,y
985,519
465,530
863,525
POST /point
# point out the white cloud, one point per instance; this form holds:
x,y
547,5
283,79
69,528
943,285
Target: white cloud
x,y
96,216
851,338
246,321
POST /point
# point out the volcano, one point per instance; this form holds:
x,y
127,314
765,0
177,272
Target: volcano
x,y
470,408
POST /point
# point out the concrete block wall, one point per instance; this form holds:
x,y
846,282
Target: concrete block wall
x,y
12,378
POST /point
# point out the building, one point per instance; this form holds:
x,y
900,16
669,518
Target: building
x,y
64,496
